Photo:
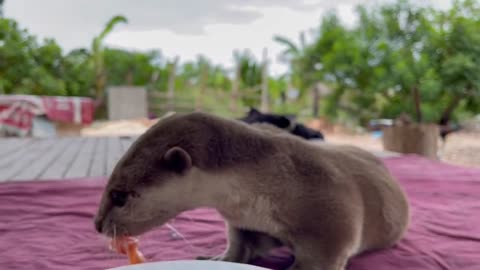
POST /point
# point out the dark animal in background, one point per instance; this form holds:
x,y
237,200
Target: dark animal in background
x,y
446,127
286,122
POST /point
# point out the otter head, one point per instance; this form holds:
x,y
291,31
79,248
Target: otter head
x,y
147,188
175,166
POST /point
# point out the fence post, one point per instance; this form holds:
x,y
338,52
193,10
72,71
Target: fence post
x,y
235,86
203,85
316,97
264,101
171,84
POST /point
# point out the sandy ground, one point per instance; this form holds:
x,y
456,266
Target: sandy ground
x,y
460,148
463,149
117,128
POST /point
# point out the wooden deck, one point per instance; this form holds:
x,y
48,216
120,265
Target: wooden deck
x,y
64,158
60,158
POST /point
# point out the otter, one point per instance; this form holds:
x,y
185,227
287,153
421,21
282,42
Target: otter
x,y
284,122
326,203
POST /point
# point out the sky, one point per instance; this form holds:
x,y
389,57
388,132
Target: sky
x,y
184,28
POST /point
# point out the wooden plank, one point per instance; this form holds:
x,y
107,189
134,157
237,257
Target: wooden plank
x,y
81,164
18,156
6,143
114,153
64,161
26,161
99,166
42,161
9,147
127,142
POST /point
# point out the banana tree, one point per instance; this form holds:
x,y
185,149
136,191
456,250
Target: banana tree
x,y
293,55
98,58
248,77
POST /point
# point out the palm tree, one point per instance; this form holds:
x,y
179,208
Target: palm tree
x,y
97,56
293,55
291,51
248,78
250,71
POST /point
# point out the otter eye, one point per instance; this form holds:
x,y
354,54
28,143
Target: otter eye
x,y
119,198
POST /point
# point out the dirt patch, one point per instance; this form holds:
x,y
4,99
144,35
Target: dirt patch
x,y
460,148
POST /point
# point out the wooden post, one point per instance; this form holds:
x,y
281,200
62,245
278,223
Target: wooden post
x,y
203,85
413,138
235,87
264,101
316,98
171,84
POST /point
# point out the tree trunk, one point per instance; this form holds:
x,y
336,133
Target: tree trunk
x,y
235,88
283,97
129,77
421,139
417,102
203,85
316,98
100,96
100,82
447,113
334,99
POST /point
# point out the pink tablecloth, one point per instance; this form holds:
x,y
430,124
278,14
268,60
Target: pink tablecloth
x,y
17,111
48,225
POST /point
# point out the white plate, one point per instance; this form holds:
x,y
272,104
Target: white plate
x,y
189,265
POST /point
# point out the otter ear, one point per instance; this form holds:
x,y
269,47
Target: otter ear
x,y
177,160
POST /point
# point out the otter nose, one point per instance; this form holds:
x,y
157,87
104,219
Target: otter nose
x,y
99,224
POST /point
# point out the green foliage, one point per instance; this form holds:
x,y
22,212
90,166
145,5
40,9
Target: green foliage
x,y
78,73
29,67
202,72
400,57
293,55
250,70
131,68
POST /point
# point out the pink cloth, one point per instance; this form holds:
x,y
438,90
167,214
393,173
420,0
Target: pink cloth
x,y
78,110
48,225
17,111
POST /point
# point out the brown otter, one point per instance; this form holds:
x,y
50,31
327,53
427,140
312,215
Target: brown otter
x,y
327,203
